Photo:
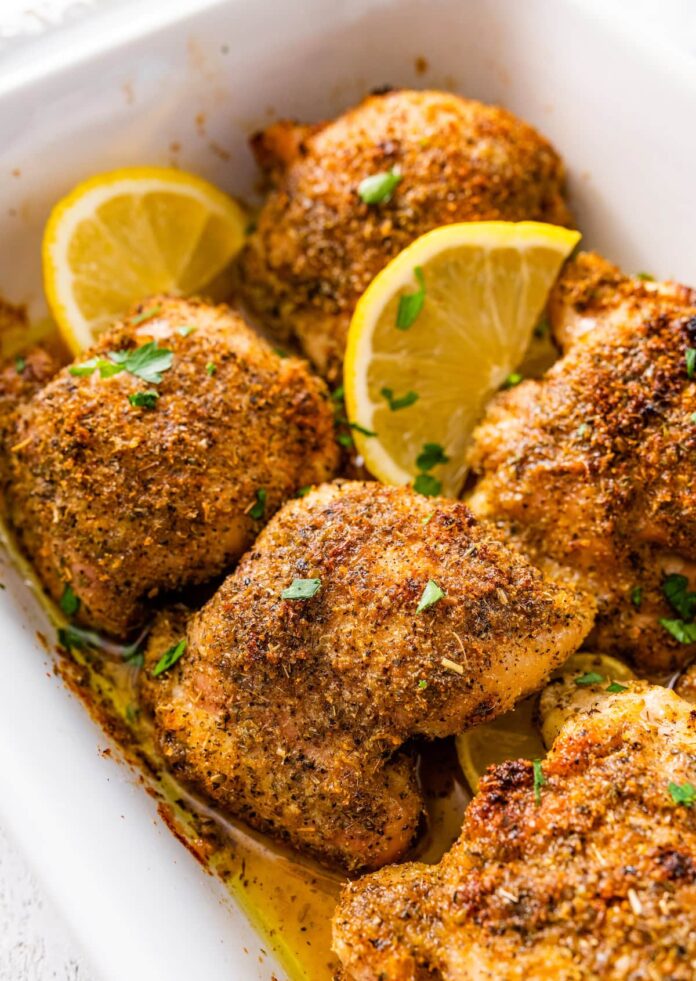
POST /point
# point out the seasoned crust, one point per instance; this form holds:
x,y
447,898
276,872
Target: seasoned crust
x,y
123,502
596,879
317,245
294,715
593,467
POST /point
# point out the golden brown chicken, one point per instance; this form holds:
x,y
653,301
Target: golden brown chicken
x,y
153,462
579,868
318,244
593,468
293,712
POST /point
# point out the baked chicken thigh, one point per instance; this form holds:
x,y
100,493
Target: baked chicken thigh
x,y
580,868
592,469
318,244
364,615
152,462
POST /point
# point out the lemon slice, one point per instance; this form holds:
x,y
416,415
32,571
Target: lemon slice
x,y
516,735
437,331
122,236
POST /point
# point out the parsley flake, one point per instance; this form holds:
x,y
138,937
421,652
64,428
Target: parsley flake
x,y
589,678
345,439
360,429
185,331
69,602
303,491
646,277
685,633
637,596
539,781
614,688
402,402
281,353
169,658
105,368
513,379
431,595
690,362
146,315
258,509
676,591
20,364
693,418
378,188
427,485
337,394
430,456
682,793
210,368
411,304
301,589
146,362
144,400
422,685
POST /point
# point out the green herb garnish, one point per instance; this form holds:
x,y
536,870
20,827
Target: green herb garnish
x,y
169,658
690,362
69,602
20,364
411,304
185,331
281,353
427,485
682,793
693,418
303,491
614,688
422,685
589,678
144,400
69,638
676,590
301,589
431,595
345,439
378,188
513,379
210,368
337,394
146,362
430,456
685,633
402,402
105,368
646,277
637,596
539,781
258,510
146,315
359,429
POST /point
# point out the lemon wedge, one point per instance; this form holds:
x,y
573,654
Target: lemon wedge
x,y
530,728
122,236
437,331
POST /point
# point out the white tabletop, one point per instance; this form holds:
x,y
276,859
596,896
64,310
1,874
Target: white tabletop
x,y
34,942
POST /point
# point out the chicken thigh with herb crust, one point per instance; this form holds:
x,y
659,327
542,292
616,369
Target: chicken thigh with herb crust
x,y
592,469
581,867
319,243
153,462
364,615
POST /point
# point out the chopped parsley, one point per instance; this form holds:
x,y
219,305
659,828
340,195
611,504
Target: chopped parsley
x,y
146,315
693,418
378,188
676,590
637,596
513,379
345,439
258,509
685,633
280,352
169,658
210,368
146,362
303,491
430,456
411,304
427,519
431,595
20,364
401,402
539,781
422,685
427,485
301,589
337,394
646,277
360,429
589,678
690,362
185,331
144,400
614,688
682,793
69,602
105,368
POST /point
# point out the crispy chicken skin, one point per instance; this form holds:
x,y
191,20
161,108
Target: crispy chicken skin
x,y
593,468
593,876
317,245
122,501
294,714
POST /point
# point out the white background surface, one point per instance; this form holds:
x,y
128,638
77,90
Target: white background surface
x,y
34,942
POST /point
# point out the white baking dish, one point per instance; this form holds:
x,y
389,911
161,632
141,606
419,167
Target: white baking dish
x,y
187,82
